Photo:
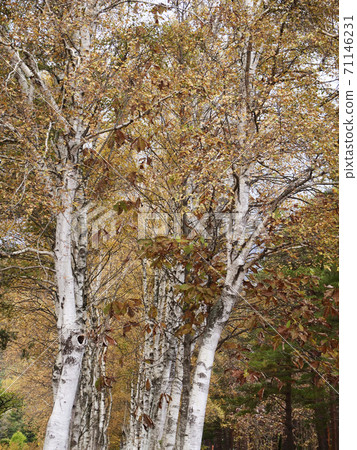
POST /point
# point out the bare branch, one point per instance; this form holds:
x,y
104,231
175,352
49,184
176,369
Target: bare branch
x,y
26,250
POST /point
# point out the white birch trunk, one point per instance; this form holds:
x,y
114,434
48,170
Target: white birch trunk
x,y
219,315
92,406
59,161
202,375
91,412
59,424
172,415
70,325
158,390
185,394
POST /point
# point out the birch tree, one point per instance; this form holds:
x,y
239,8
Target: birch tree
x,y
253,132
60,64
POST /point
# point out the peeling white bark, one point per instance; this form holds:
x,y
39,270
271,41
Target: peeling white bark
x,y
159,384
92,406
172,415
202,375
69,323
59,424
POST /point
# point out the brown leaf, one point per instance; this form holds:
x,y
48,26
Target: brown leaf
x,y
315,364
132,177
131,312
110,340
147,421
119,138
152,313
261,393
140,144
126,328
108,381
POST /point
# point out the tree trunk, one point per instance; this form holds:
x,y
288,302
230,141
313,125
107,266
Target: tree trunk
x,y
172,416
186,384
70,321
155,406
289,439
202,375
91,411
334,420
321,422
237,252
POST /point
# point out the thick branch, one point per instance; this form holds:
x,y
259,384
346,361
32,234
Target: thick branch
x,y
25,250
